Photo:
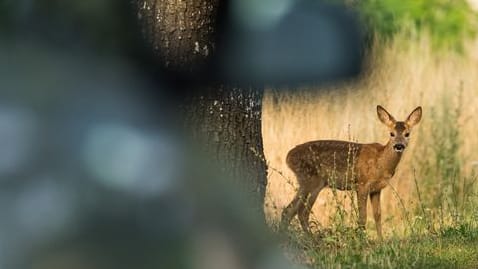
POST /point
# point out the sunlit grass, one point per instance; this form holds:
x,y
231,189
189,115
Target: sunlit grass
x,y
430,209
451,247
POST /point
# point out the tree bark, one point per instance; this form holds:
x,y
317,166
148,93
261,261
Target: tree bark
x,y
225,117
181,32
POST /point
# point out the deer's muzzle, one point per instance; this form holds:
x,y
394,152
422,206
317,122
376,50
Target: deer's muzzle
x,y
399,147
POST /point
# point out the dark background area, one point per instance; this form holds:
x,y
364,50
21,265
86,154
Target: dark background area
x,y
113,159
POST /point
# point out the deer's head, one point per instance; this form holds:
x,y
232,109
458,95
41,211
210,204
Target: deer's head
x,y
399,130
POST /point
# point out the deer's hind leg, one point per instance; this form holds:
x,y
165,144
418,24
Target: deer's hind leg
x,y
291,210
306,208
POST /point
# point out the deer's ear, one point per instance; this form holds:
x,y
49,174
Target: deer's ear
x,y
385,117
414,117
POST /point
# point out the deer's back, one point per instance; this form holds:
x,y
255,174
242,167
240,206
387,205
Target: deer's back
x,y
331,160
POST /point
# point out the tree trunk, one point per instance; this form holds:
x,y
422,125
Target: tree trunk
x,y
226,118
181,32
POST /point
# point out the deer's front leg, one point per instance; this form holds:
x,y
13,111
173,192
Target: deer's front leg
x,y
362,207
377,215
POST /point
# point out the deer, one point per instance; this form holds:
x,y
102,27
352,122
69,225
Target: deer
x,y
343,165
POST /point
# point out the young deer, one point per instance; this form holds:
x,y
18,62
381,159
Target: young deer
x,y
366,168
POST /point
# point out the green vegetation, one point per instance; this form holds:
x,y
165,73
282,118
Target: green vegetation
x,y
430,240
452,247
451,195
448,22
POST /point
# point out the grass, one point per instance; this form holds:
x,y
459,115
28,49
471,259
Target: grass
x,y
453,247
430,241
430,209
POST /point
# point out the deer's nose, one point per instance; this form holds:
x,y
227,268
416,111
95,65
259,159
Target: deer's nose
x,y
399,147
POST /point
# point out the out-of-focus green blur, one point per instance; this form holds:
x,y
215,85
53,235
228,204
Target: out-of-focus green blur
x,y
447,22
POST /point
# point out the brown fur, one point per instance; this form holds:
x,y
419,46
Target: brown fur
x,y
366,168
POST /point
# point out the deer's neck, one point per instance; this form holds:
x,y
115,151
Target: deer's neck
x,y
389,159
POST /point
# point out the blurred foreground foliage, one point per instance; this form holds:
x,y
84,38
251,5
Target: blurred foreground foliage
x,y
105,25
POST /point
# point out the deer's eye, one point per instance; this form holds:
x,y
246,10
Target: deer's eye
x,y
392,134
407,134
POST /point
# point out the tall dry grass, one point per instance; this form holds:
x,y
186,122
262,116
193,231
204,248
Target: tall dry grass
x,y
402,75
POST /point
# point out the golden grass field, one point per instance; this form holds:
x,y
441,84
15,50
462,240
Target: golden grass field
x,y
400,76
